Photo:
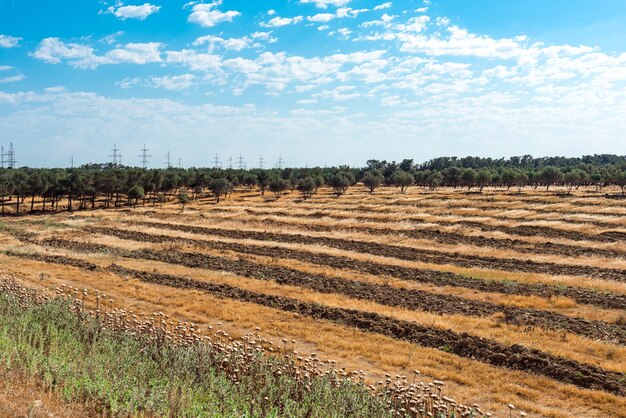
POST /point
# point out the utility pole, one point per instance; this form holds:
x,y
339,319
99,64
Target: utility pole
x,y
261,162
11,156
144,157
240,163
216,162
117,157
72,161
167,162
280,162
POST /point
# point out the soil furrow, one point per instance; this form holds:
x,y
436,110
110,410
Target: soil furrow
x,y
439,278
414,254
454,238
515,357
382,294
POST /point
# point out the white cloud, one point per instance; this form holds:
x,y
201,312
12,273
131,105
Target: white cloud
x,y
461,43
321,17
133,12
323,27
55,89
128,82
5,67
344,32
340,13
54,51
205,14
236,44
12,79
383,6
339,94
264,36
179,82
7,41
282,21
271,12
384,21
322,4
195,61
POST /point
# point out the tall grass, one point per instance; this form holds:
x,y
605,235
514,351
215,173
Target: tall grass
x,y
120,373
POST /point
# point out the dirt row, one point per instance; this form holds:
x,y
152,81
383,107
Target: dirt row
x,y
438,278
516,357
52,259
455,238
407,253
522,230
360,206
363,211
382,294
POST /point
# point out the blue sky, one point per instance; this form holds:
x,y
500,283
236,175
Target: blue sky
x,y
316,81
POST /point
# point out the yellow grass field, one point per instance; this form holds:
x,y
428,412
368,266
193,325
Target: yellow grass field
x,y
508,298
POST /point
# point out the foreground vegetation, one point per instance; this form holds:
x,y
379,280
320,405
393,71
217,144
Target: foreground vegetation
x,y
106,185
119,365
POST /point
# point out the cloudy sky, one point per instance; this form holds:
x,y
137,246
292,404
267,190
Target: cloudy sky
x,y
318,81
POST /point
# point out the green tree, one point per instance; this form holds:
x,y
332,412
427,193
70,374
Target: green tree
x,y
278,186
220,187
549,176
468,178
520,180
135,193
21,188
620,180
483,178
183,199
571,180
6,189
307,187
372,179
250,180
435,180
403,180
340,183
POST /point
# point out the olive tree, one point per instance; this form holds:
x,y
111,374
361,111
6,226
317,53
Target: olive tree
x,y
134,194
278,186
340,183
372,179
307,187
220,187
403,180
183,199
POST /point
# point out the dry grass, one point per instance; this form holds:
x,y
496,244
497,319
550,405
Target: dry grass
x,y
491,387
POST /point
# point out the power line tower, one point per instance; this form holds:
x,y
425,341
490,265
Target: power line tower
x,y
240,163
72,161
11,162
179,164
216,162
280,162
116,156
261,162
230,163
144,157
168,164
2,154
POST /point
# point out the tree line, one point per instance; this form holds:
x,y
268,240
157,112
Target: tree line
x,y
109,185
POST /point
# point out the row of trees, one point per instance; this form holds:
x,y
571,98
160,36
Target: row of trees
x,y
113,186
